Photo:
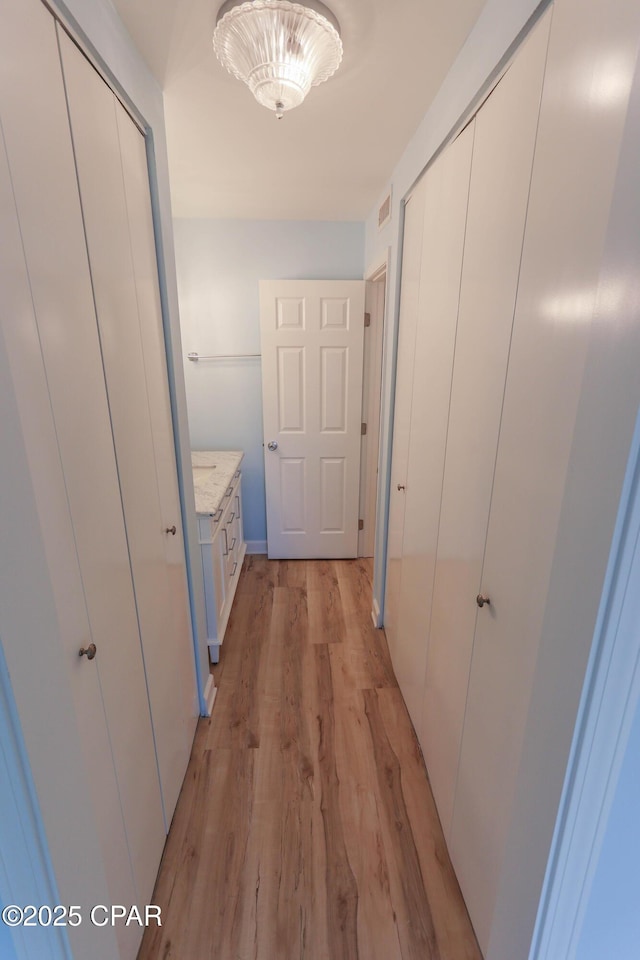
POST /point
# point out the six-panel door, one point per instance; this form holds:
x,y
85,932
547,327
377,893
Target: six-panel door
x,y
312,348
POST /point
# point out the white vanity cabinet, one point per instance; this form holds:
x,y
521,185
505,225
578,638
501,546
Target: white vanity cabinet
x,y
218,494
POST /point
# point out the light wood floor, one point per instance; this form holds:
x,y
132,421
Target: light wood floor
x,y
306,827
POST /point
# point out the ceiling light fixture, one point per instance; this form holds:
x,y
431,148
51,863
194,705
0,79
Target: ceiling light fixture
x,y
278,48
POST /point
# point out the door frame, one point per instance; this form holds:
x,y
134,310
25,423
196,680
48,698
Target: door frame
x,y
371,410
382,264
26,873
610,697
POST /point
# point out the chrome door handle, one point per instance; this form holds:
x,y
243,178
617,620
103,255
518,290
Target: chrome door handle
x,y
480,600
272,445
88,652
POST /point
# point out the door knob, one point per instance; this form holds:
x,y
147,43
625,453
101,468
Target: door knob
x,y
400,486
480,600
88,652
272,445
171,530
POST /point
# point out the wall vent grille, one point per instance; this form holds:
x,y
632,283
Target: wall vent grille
x,y
384,213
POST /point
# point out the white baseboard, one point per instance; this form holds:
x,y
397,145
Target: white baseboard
x,y
256,546
210,692
375,614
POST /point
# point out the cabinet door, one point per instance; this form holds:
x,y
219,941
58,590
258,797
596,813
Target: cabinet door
x,y
447,188
500,177
408,324
112,220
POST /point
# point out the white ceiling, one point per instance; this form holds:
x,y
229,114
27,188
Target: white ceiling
x,y
328,159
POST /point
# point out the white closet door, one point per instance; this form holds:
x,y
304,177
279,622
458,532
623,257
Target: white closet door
x,y
447,189
36,131
97,834
94,113
408,324
576,158
174,721
500,177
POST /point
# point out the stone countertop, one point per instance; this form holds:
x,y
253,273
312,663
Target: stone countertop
x,y
213,471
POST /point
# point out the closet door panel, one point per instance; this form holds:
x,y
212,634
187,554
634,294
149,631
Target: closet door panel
x,y
36,129
93,111
180,715
500,178
98,834
577,148
407,326
447,189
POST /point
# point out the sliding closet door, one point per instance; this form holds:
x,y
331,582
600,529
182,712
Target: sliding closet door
x,y
32,627
500,177
174,721
43,179
98,123
408,324
562,342
447,189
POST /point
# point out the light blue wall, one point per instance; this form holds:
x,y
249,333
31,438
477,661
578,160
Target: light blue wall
x,y
7,949
219,264
611,926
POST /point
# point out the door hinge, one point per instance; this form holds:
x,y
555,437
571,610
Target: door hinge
x,y
363,429
360,524
367,319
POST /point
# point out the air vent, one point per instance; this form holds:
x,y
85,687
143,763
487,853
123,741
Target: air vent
x,y
384,213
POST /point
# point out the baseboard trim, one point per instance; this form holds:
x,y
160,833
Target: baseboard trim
x,y
375,615
210,692
256,546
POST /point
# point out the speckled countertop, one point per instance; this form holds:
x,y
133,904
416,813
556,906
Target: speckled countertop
x,y
213,471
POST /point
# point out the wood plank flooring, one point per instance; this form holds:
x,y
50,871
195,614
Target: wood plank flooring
x,y
306,829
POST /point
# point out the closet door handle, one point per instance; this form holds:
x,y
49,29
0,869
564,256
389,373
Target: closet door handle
x,y
480,600
88,652
401,486
172,530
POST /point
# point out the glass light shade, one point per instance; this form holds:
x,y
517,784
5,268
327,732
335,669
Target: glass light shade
x,y
278,48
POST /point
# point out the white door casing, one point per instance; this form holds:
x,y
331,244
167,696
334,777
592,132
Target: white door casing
x,y
371,387
407,327
312,352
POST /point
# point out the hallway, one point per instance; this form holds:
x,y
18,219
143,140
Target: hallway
x,y
306,827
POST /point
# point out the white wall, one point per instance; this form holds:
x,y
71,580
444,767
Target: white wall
x,y
104,34
495,35
219,264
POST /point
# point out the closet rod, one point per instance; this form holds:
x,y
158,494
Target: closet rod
x,y
225,356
